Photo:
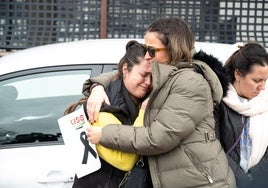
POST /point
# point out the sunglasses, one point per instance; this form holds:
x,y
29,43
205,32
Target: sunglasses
x,y
151,50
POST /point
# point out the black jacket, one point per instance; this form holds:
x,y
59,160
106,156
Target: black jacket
x,y
122,106
229,127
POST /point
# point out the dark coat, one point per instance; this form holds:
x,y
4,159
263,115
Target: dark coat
x,y
228,128
122,107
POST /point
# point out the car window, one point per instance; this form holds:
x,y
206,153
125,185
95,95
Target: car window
x,y
31,104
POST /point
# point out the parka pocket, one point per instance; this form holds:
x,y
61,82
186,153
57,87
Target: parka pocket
x,y
198,165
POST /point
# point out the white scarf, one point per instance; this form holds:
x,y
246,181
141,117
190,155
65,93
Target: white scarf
x,y
257,110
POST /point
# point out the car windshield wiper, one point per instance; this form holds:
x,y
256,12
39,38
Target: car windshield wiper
x,y
34,137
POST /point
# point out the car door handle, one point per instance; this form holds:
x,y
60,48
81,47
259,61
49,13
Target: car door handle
x,y
55,179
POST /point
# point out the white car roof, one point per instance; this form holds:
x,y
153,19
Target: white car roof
x,y
99,51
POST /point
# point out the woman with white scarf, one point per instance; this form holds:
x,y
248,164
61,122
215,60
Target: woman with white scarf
x,y
242,116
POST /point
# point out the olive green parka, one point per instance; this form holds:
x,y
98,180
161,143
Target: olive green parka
x,y
178,134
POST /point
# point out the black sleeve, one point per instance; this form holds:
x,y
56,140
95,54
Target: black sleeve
x,y
86,88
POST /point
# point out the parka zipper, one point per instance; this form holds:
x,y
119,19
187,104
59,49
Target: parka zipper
x,y
198,167
208,177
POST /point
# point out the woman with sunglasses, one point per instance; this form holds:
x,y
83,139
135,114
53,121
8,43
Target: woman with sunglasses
x,y
178,136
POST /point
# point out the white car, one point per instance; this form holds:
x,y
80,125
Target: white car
x,y
36,86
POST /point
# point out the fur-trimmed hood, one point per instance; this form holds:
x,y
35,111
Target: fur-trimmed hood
x,y
216,66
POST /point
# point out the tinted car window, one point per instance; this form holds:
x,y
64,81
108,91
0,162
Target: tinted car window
x,y
31,104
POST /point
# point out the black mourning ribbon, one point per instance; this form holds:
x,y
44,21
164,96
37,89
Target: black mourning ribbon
x,y
88,148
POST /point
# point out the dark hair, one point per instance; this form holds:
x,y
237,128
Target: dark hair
x,y
244,58
135,51
176,36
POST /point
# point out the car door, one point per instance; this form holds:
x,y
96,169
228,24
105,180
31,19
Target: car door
x,y
32,152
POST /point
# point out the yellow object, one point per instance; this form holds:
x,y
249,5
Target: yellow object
x,y
121,160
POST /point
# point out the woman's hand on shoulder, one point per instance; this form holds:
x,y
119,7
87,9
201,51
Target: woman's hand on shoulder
x,y
94,102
